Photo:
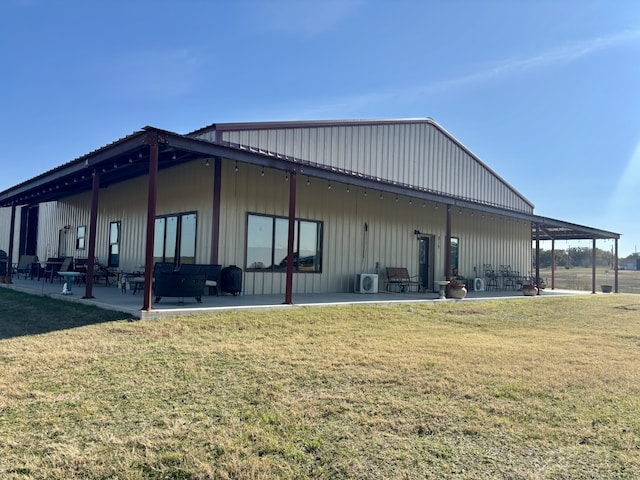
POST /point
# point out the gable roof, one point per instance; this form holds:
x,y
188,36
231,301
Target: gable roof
x,y
416,153
128,158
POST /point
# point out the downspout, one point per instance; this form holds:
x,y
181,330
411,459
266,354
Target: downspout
x,y
288,296
93,225
152,141
215,224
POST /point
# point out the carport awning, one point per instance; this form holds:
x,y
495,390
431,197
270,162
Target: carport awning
x,y
552,229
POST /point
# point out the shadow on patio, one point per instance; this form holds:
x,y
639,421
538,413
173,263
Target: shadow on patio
x,y
113,299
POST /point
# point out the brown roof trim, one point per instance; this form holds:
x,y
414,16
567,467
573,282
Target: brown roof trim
x,y
226,127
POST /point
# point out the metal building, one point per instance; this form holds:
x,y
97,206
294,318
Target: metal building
x,y
300,206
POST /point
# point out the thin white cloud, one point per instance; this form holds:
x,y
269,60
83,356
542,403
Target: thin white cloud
x,y
350,105
555,56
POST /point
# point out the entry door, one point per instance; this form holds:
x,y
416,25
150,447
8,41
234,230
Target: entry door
x,y
424,264
28,230
62,243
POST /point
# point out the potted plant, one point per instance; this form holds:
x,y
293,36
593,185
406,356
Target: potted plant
x,y
456,290
606,288
529,290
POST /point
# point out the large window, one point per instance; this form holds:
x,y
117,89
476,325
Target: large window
x,y
267,239
175,239
114,244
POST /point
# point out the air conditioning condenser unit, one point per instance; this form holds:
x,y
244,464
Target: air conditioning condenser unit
x,y
478,284
367,283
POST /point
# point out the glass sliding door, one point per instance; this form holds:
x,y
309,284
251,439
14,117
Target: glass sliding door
x,y
187,250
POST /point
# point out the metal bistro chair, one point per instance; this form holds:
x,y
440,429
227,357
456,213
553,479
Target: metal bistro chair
x,y
491,276
508,277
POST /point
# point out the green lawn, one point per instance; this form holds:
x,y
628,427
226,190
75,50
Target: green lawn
x,y
528,388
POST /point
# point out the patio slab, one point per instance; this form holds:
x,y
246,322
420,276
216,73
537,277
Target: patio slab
x,y
112,298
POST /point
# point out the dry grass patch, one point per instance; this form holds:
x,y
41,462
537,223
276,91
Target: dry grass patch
x,y
579,278
526,388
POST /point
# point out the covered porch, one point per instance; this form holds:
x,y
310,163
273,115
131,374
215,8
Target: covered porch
x,y
144,154
113,298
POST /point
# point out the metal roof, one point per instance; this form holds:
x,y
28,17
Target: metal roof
x,y
127,158
217,131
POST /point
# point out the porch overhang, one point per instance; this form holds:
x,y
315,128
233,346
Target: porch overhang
x,y
128,158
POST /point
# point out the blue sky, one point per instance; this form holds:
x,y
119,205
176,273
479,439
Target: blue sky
x,y
546,92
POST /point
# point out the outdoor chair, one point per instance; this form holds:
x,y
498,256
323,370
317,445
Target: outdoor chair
x,y
67,266
491,276
81,267
508,277
51,267
102,272
25,265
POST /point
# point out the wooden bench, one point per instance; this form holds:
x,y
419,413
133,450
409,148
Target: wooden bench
x,y
399,280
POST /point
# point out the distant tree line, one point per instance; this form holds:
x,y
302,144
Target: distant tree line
x,y
581,257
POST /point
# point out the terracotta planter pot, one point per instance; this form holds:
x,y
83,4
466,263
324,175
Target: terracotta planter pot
x,y
457,293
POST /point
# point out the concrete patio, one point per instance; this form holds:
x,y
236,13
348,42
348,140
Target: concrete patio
x,y
113,298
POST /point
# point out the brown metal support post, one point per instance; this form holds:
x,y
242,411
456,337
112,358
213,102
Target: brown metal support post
x,y
152,141
537,280
593,266
553,264
215,224
615,268
93,225
447,246
12,232
288,296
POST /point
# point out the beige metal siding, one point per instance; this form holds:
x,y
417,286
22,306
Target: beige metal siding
x,y
180,189
412,154
349,247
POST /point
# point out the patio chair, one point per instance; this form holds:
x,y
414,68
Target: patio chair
x,y
51,267
25,265
66,266
491,276
100,271
508,277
